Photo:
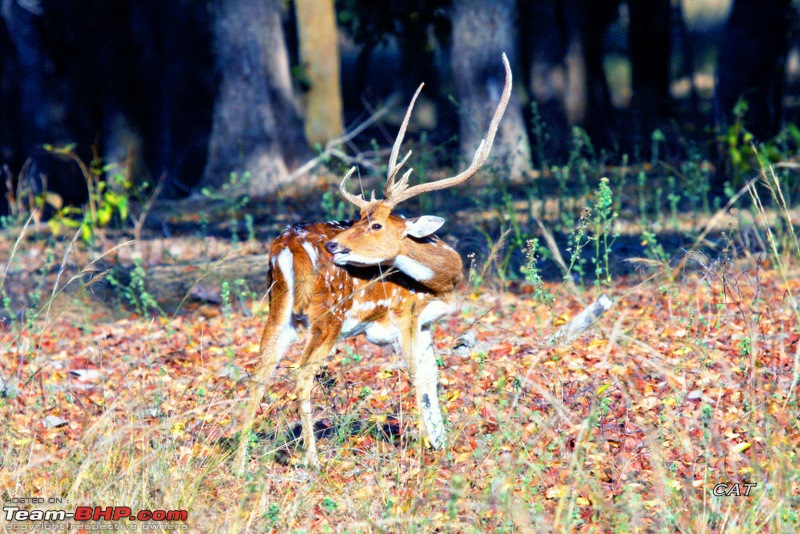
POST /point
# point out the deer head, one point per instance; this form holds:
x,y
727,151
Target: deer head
x,y
379,237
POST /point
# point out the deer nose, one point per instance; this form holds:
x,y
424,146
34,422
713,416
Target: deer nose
x,y
333,247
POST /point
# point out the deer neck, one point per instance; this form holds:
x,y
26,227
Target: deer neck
x,y
430,262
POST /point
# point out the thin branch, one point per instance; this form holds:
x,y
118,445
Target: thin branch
x,y
582,321
331,147
139,221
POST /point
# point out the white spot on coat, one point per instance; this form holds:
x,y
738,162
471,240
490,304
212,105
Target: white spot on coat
x,y
286,266
287,336
312,253
433,311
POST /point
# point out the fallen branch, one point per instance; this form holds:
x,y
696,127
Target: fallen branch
x,y
331,148
582,321
172,285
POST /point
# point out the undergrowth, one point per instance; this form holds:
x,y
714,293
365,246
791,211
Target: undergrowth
x,y
690,381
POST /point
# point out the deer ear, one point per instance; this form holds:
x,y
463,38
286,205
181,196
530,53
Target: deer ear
x,y
423,226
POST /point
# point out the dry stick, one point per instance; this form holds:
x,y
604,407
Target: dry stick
x,y
330,147
14,250
559,259
493,253
138,223
582,321
771,240
710,226
566,334
55,286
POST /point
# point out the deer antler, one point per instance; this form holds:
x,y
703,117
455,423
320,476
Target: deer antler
x,y
391,186
400,191
357,200
397,191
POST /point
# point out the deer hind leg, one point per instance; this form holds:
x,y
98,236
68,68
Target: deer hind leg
x,y
417,345
323,334
278,335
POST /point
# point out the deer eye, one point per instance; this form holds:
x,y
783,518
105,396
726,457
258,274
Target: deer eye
x,y
377,226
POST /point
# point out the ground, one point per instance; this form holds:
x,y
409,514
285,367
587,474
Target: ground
x,y
686,383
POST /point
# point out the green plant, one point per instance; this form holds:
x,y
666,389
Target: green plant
x,y
329,505
108,198
225,297
737,141
531,273
604,235
653,249
250,227
641,182
332,205
577,240
232,198
540,135
352,356
657,137
273,513
135,292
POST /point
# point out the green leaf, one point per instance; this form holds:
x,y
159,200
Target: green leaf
x,y
104,215
55,226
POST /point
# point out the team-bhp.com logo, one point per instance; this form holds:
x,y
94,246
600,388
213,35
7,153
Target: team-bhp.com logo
x,y
15,514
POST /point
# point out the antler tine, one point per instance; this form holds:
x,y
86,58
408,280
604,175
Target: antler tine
x,y
393,167
397,187
478,160
358,200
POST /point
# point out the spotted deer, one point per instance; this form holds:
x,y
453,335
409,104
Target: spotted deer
x,y
382,275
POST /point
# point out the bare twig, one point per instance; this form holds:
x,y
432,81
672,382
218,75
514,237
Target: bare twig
x,y
582,321
139,221
331,147
14,250
559,259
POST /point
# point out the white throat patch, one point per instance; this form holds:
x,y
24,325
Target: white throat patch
x,y
413,268
356,260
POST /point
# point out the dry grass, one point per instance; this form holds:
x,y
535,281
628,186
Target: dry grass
x,y
689,381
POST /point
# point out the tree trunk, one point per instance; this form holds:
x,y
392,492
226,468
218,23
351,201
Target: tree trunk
x,y
160,54
319,54
752,63
10,146
650,52
41,93
482,31
593,21
256,127
544,49
172,286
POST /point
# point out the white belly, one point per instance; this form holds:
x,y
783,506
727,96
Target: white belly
x,y
384,332
434,310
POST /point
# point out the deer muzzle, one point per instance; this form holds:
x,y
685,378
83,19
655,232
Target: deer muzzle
x,y
335,248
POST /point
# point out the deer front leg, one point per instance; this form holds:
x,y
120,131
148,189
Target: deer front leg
x,y
278,335
322,337
417,348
